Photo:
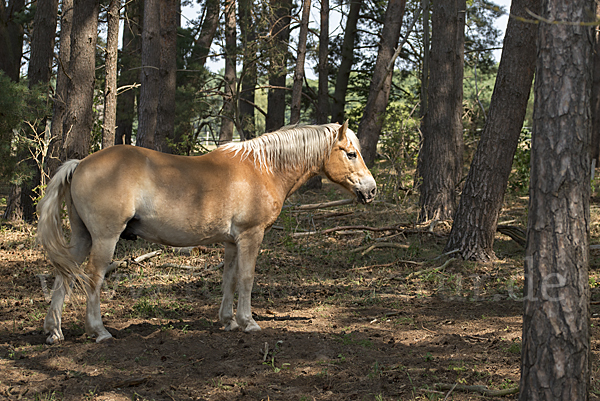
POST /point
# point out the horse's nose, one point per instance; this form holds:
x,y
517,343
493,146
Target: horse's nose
x,y
373,192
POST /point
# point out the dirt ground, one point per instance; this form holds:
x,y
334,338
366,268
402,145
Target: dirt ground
x,y
340,320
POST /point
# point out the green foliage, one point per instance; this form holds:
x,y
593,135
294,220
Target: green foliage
x,y
518,181
21,109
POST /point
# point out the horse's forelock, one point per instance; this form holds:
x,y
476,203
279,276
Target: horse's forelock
x,y
291,146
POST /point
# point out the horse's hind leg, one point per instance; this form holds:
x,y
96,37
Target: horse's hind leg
x,y
100,258
80,248
230,267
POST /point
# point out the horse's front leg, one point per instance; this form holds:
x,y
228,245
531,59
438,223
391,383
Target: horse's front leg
x,y
248,246
230,267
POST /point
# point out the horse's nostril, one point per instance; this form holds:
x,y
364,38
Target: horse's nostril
x,y
373,191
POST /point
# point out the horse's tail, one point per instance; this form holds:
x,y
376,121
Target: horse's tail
x,y
50,233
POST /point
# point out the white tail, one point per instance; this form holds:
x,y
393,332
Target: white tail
x,y
50,233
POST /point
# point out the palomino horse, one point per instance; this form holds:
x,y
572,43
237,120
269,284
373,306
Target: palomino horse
x,y
231,195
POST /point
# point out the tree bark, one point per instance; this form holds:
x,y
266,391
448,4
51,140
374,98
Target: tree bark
x,y
555,353
56,154
595,143
11,38
343,76
129,74
229,99
150,75
249,69
165,119
481,201
78,121
296,106
20,203
110,65
439,165
323,67
207,32
280,34
425,65
379,92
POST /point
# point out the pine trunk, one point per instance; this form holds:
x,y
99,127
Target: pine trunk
x,y
207,32
165,119
11,38
249,69
150,76
379,92
343,76
129,74
110,64
280,34
440,158
476,218
296,107
228,112
56,154
78,121
555,353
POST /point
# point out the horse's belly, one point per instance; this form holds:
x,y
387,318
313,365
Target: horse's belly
x,y
167,233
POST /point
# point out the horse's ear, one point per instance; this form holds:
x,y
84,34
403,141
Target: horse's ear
x,y
342,131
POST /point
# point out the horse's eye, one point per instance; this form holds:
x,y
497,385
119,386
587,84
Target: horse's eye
x,y
351,155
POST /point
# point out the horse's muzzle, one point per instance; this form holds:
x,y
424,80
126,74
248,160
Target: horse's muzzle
x,y
366,194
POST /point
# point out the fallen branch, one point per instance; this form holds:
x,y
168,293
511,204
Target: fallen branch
x,y
370,247
320,205
429,270
125,263
477,389
344,228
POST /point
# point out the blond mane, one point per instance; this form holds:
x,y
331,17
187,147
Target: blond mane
x,y
294,146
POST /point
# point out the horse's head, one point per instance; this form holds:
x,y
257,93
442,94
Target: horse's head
x,y
346,167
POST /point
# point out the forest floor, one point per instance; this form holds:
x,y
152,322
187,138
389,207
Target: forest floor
x,y
340,320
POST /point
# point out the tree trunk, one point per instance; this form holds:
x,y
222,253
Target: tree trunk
x,y
296,106
595,143
165,122
110,64
20,203
78,121
207,32
440,158
379,92
555,354
129,74
425,65
323,67
150,75
280,34
475,221
249,69
229,98
56,154
343,76
11,38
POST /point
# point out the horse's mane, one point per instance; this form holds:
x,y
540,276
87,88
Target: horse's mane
x,y
292,146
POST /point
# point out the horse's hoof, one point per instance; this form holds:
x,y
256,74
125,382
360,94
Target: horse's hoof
x,y
232,325
104,337
54,338
252,326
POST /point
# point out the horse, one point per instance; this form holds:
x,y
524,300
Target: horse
x,y
231,195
